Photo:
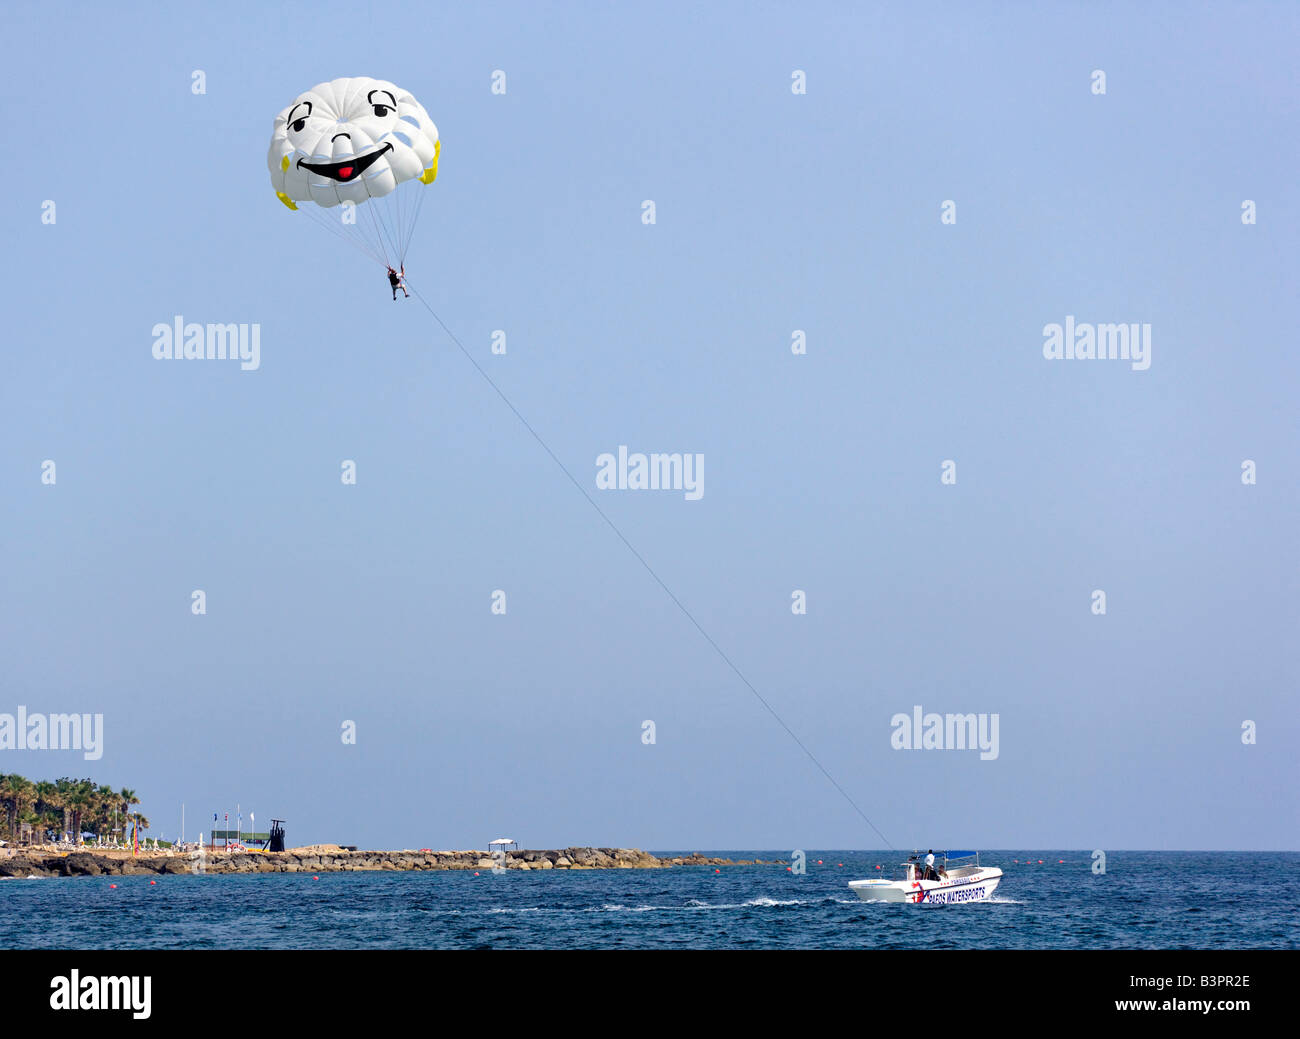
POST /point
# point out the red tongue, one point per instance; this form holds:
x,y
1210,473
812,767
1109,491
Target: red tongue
x,y
345,172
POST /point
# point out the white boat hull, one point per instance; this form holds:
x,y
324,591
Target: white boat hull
x,y
975,886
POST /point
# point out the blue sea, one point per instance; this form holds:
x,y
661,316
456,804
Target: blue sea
x,y
1158,900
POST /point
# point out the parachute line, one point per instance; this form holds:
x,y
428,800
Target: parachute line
x,y
648,569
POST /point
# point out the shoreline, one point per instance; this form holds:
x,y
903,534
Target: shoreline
x,y
330,858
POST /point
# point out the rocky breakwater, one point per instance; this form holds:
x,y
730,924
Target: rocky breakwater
x,y
330,858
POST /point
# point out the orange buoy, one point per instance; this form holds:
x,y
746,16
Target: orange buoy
x,y
152,883
112,885
315,878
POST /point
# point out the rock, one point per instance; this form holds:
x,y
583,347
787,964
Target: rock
x,y
81,865
330,858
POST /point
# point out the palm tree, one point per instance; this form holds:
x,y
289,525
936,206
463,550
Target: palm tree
x,y
24,791
65,793
81,800
105,802
141,824
76,805
15,793
126,798
9,798
47,804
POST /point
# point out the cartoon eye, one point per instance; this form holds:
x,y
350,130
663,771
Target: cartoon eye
x,y
382,110
298,124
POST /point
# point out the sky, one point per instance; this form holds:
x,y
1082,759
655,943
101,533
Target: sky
x,y
775,211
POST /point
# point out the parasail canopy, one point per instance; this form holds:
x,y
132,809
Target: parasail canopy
x,y
364,148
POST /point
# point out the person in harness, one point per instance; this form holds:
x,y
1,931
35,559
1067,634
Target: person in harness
x,y
398,281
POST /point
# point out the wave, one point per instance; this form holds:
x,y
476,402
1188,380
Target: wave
x,y
760,902
691,905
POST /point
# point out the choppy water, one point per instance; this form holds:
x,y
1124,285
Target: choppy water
x,y
1204,900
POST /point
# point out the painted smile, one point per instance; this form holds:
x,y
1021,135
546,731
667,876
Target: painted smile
x,y
348,169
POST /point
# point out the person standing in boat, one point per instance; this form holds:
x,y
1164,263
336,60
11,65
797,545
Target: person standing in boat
x,y
929,866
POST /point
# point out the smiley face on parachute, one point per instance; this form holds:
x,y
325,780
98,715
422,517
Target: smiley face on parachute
x,y
350,140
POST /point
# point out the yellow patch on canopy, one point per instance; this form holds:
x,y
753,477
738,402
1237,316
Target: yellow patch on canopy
x,y
431,174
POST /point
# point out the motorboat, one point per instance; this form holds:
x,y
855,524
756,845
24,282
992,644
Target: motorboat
x,y
964,882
